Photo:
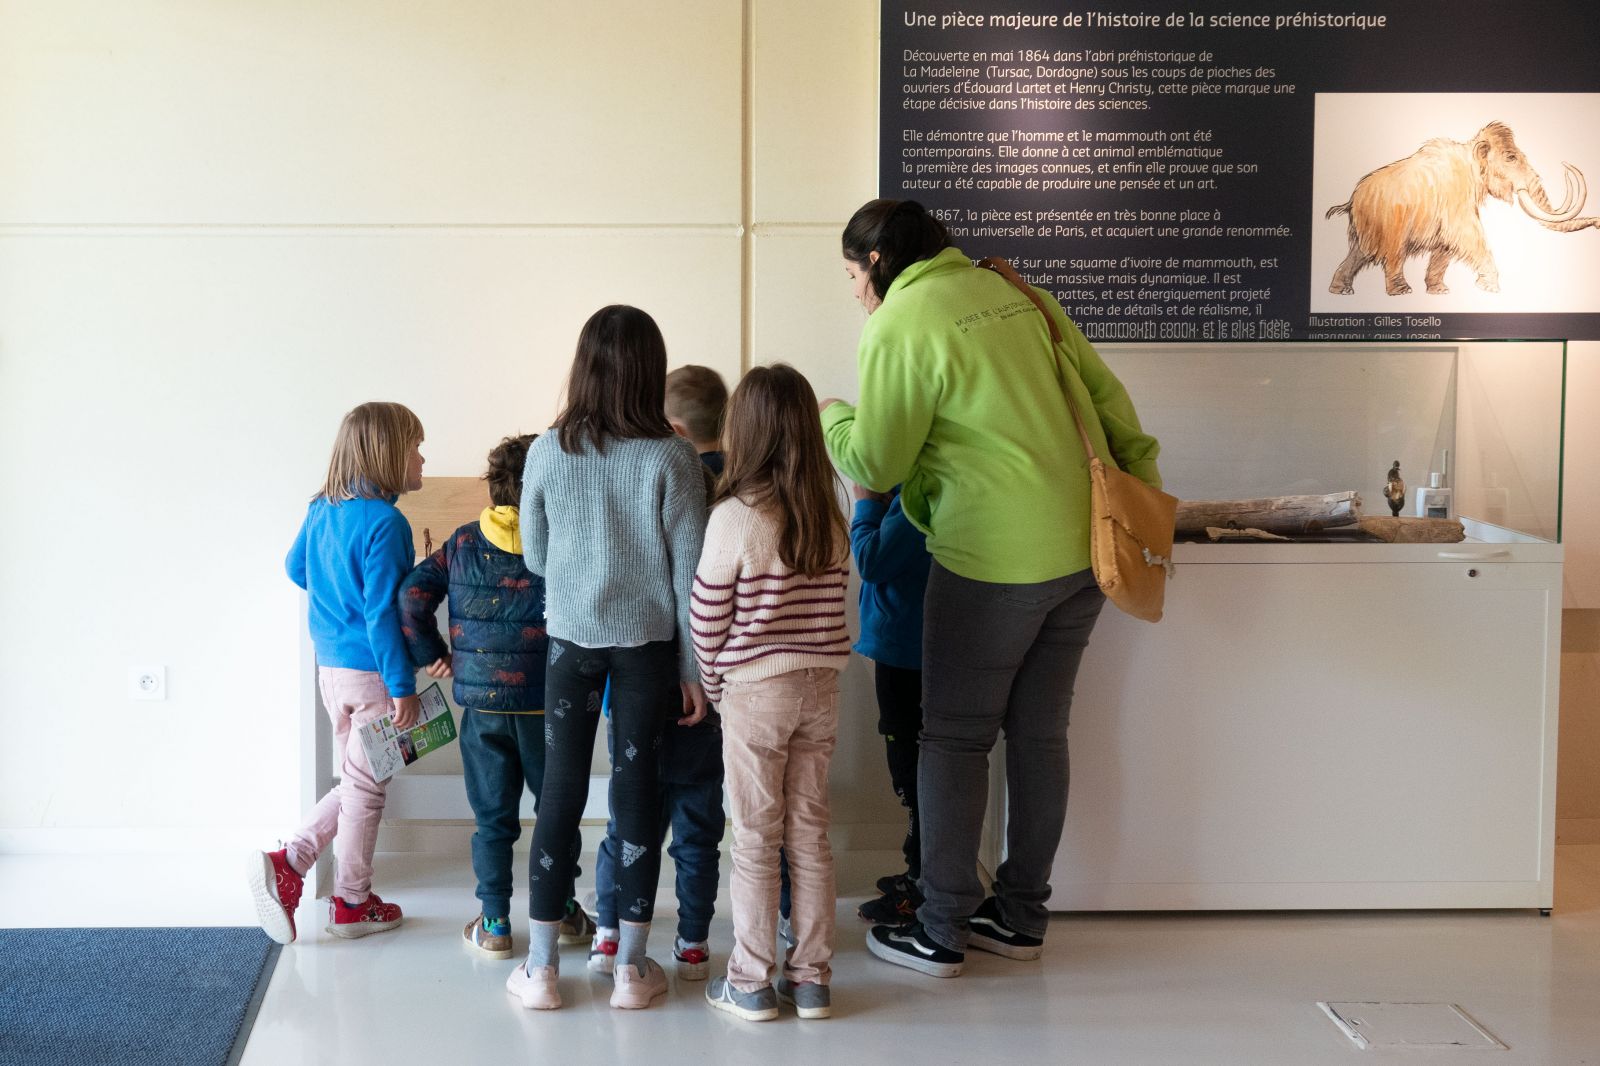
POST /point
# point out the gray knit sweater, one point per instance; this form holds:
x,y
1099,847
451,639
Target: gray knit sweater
x,y
616,536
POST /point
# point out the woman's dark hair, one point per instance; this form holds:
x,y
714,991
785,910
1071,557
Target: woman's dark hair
x,y
777,462
618,383
504,475
900,231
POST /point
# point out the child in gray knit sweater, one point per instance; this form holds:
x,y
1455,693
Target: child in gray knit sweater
x,y
613,515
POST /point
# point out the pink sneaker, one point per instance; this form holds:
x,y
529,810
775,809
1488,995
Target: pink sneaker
x,y
634,987
276,888
536,991
372,915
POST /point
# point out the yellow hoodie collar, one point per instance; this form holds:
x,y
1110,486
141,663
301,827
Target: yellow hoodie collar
x,y
499,525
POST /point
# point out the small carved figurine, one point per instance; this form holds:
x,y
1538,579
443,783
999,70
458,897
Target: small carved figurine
x,y
1394,490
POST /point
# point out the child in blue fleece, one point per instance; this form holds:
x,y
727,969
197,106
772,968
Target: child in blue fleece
x,y
892,558
352,551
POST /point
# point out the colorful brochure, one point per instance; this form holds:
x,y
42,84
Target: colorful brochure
x,y
389,748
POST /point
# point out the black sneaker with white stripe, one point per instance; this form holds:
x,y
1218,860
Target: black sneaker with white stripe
x,y
988,932
910,946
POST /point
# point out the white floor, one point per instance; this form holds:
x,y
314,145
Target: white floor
x,y
1234,989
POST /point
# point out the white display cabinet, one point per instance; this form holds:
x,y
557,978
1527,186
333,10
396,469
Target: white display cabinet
x,y
1331,724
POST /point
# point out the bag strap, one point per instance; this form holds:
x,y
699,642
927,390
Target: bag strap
x,y
1007,271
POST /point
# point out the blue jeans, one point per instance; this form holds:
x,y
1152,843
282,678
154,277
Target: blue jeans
x,y
500,753
691,806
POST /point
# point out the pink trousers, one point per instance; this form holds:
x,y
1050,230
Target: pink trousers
x,y
350,813
778,736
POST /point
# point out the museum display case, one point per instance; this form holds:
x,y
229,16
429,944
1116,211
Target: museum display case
x,y
1331,720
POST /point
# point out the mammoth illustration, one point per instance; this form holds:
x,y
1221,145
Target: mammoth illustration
x,y
1427,204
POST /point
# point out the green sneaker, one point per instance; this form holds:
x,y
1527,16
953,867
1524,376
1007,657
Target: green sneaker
x,y
577,927
489,937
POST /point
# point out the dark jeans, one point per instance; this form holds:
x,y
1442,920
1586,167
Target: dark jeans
x,y
996,657
500,753
691,806
644,695
899,722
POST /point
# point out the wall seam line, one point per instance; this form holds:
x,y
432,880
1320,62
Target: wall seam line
x,y
746,187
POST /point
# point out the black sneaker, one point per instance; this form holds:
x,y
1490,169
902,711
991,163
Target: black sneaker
x,y
909,946
988,932
897,906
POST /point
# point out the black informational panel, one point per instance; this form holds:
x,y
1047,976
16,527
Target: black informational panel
x,y
1201,171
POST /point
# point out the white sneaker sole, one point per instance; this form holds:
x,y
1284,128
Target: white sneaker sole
x,y
693,971
806,1012
912,962
357,930
602,963
636,999
1020,952
486,953
729,1007
269,909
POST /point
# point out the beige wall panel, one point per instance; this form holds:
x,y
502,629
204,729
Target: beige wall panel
x,y
814,109
483,111
802,307
167,411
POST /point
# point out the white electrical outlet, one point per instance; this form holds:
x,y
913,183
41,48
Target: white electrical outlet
x,y
148,683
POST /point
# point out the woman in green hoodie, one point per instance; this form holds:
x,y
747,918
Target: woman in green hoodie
x,y
963,401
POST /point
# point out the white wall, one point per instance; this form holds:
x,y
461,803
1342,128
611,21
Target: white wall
x,y
222,225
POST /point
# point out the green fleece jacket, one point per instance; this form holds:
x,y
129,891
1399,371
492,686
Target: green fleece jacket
x,y
961,400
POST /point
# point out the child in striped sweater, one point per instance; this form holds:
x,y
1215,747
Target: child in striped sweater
x,y
768,618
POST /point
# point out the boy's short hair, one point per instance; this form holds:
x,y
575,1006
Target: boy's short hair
x,y
504,475
696,397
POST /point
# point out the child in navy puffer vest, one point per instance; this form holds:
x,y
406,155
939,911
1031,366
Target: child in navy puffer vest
x,y
496,656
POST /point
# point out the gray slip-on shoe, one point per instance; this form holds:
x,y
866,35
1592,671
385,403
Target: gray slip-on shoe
x,y
809,999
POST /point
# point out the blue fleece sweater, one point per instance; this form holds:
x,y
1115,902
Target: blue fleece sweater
x,y
350,558
892,557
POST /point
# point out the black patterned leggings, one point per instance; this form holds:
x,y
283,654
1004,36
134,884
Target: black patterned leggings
x,y
644,695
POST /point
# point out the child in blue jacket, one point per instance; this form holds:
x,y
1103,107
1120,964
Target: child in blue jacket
x,y
496,655
892,558
350,554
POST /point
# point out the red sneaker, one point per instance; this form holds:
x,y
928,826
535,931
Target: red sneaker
x,y
351,920
276,888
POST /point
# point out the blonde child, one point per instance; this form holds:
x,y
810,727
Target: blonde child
x,y
770,635
353,550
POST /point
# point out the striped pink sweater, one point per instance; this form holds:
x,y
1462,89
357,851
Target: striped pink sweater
x,y
754,618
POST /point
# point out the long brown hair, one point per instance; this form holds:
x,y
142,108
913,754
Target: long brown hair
x,y
371,452
618,384
775,460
